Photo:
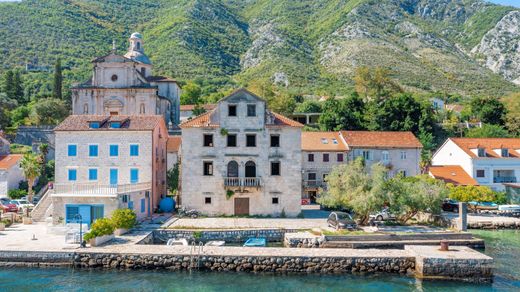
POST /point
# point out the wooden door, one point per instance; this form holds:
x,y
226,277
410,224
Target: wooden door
x,y
241,206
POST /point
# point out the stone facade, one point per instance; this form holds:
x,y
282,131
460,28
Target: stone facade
x,y
239,179
124,85
404,160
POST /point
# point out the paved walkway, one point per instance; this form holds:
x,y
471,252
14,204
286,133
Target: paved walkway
x,y
248,223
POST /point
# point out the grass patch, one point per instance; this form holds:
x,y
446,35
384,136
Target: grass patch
x,y
347,232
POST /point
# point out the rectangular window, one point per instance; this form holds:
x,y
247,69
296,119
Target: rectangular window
x,y
134,175
311,176
124,198
115,125
275,141
92,174
310,157
207,200
208,167
208,140
231,140
481,173
251,110
114,150
275,201
73,174
325,157
134,150
385,156
403,173
367,155
251,140
232,110
72,150
340,157
403,155
94,125
505,152
113,176
93,150
275,168
481,152
143,205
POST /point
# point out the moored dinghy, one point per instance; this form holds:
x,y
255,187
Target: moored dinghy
x,y
256,242
215,243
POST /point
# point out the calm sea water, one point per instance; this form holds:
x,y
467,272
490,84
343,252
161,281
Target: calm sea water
x,y
504,246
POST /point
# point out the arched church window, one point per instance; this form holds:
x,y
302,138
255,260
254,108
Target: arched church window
x,y
142,109
85,108
114,77
143,71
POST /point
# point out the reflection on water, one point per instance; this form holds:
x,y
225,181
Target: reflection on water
x,y
504,246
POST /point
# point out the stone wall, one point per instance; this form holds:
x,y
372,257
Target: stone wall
x,y
29,135
280,264
230,236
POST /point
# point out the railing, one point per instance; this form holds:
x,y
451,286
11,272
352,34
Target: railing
x,y
248,182
504,179
312,183
100,189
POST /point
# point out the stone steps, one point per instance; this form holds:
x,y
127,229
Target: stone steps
x,y
40,211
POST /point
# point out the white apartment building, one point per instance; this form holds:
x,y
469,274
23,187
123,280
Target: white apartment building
x,y
493,162
108,162
241,159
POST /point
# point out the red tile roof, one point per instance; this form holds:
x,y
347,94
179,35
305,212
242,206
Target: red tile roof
x,y
322,141
129,123
204,120
280,120
381,139
512,144
173,144
452,174
8,161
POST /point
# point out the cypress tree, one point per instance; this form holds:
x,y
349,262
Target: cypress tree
x,y
8,86
18,88
58,80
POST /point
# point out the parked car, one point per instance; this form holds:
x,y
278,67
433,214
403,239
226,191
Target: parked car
x,y
383,215
341,220
7,206
449,205
23,205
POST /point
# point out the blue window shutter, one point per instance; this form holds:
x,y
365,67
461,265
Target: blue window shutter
x,y
92,174
72,175
72,150
114,150
93,150
134,150
113,176
131,205
134,175
70,213
143,205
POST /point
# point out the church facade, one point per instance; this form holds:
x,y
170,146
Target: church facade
x,y
124,85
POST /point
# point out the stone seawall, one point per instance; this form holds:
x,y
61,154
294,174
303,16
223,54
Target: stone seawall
x,y
282,264
494,225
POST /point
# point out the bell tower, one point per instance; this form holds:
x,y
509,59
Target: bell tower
x,y
136,43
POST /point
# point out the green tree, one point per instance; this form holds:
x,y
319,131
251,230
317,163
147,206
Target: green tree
x,y
57,85
49,111
198,110
488,110
488,131
6,105
31,168
17,88
191,93
343,114
309,106
172,176
283,103
8,84
350,186
512,104
474,194
375,83
20,115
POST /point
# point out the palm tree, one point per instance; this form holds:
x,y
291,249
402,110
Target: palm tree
x,y
31,168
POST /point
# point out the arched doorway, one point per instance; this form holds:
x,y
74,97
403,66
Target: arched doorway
x,y
250,169
232,169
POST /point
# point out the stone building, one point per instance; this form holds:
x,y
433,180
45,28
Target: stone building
x,y
321,152
173,147
124,85
107,162
241,159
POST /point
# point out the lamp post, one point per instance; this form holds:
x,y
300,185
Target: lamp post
x,y
78,217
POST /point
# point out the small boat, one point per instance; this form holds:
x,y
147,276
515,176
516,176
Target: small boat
x,y
510,208
215,243
256,242
177,241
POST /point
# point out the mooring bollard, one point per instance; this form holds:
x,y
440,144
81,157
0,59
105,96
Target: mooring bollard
x,y
445,245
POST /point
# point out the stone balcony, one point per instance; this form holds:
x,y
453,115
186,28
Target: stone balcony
x,y
242,182
100,189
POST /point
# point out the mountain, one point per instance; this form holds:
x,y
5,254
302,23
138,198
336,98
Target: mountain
x,y
465,47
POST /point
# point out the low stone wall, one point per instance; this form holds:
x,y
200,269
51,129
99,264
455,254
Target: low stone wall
x,y
161,236
280,264
494,225
35,258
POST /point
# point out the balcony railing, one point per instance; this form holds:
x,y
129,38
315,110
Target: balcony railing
x,y
242,182
504,179
313,183
100,189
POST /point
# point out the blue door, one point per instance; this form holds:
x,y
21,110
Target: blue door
x,y
113,176
84,211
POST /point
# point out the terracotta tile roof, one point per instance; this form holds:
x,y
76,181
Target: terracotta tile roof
x,y
173,144
512,144
452,174
8,161
381,139
280,120
200,121
322,141
128,123
191,107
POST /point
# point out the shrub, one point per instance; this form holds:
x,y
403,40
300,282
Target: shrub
x,y
17,194
102,226
6,222
124,218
